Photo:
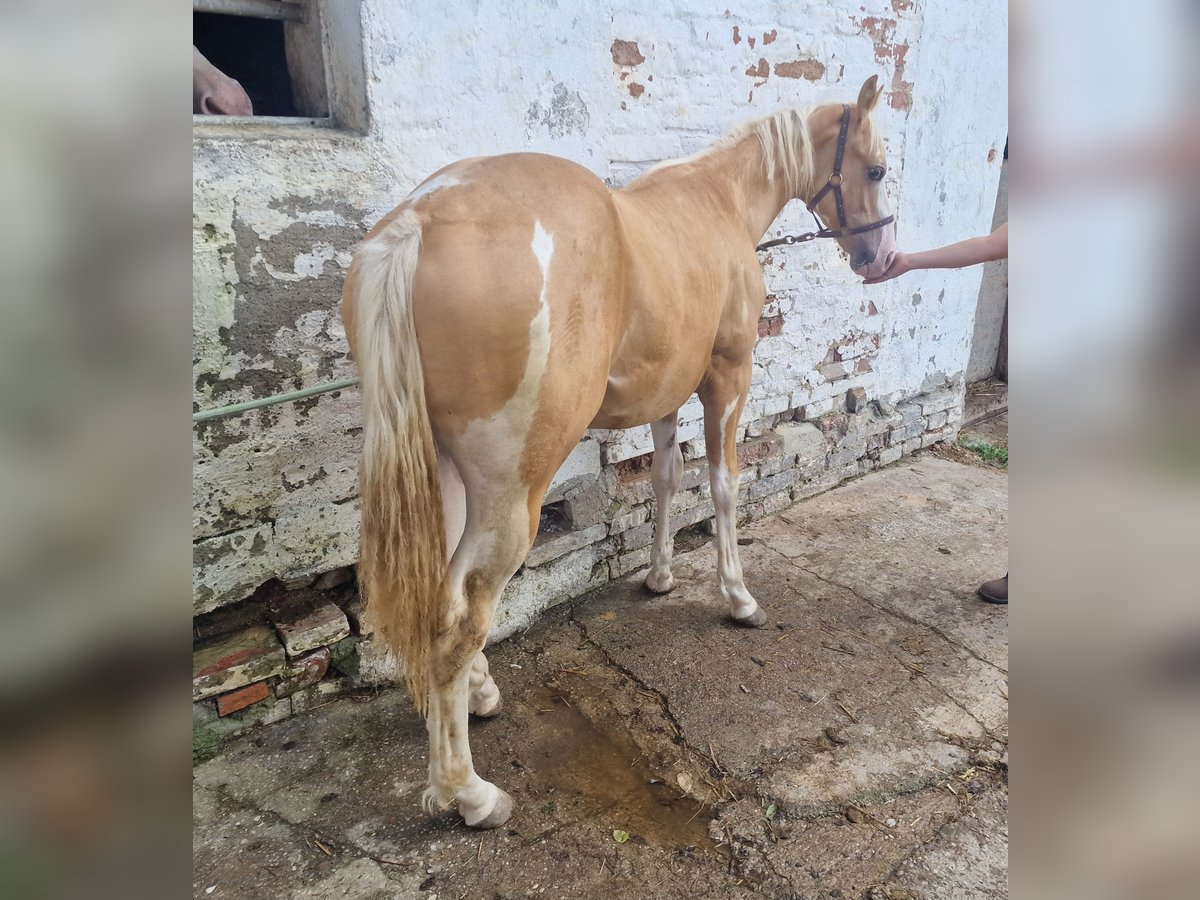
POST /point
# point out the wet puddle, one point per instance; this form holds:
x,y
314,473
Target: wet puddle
x,y
598,768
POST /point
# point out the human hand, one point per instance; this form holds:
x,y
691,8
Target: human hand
x,y
900,265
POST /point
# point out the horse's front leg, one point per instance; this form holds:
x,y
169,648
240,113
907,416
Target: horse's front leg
x,y
723,395
666,472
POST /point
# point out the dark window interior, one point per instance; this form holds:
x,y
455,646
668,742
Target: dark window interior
x,y
252,51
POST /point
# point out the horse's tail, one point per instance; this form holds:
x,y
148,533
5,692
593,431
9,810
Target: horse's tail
x,y
403,557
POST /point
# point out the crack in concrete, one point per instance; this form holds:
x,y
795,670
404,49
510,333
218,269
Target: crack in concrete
x,y
935,629
887,610
659,695
974,718
730,779
963,811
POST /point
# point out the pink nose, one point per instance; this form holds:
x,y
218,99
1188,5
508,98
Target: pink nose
x,y
227,100
862,259
871,265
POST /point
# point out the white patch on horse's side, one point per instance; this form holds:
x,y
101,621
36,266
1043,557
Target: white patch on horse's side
x,y
543,249
488,446
436,183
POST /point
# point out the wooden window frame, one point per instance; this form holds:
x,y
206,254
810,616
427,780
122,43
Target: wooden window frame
x,y
335,89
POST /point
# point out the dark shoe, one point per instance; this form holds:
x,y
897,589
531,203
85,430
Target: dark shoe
x,y
994,591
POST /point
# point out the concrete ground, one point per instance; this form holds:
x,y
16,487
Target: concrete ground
x,y
855,747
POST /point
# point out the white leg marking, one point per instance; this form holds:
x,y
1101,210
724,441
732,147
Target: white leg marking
x,y
452,775
666,471
729,564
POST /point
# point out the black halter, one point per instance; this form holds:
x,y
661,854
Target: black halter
x,y
834,184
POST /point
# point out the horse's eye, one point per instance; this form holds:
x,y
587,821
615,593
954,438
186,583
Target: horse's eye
x,y
876,173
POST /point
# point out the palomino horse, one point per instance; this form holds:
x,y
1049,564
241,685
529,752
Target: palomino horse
x,y
512,302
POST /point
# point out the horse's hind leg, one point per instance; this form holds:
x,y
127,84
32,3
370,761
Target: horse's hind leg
x,y
495,540
666,472
484,695
723,395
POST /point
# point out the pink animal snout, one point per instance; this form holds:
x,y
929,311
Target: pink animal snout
x,y
214,93
872,260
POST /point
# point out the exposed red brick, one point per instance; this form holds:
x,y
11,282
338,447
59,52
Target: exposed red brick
x,y
899,6
237,658
862,364
831,424
757,450
898,82
304,672
635,89
629,468
635,489
231,661
872,309
769,37
771,326
626,53
750,41
992,155
737,35
242,697
306,622
761,70
881,31
809,69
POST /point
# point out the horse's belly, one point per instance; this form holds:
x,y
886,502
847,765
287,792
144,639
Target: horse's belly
x,y
632,400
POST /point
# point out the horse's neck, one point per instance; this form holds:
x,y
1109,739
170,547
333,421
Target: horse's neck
x,y
731,178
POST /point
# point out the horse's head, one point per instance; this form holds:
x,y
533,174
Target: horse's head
x,y
850,198
214,93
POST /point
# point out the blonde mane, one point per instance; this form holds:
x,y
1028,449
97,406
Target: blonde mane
x,y
786,145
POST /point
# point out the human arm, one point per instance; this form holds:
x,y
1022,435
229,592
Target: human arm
x,y
953,256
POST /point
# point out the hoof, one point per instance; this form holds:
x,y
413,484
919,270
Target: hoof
x,y
498,816
756,619
489,713
660,584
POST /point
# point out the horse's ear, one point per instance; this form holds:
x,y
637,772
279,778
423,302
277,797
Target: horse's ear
x,y
869,96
